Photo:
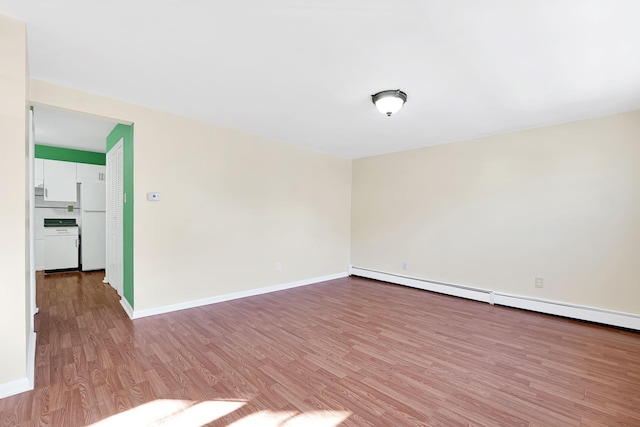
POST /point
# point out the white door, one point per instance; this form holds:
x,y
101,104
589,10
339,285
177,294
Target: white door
x,y
115,211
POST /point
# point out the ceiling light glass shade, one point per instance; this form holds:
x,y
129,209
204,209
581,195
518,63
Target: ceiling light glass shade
x,y
389,101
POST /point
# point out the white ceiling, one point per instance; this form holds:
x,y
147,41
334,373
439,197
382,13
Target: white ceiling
x,y
66,129
302,71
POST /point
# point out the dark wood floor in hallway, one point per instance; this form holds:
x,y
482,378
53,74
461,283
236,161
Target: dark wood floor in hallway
x,y
350,352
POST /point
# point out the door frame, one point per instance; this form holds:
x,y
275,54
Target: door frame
x,y
124,128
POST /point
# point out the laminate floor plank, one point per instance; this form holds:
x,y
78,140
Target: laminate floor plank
x,y
358,351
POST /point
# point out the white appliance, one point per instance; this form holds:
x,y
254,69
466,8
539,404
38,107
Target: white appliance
x,y
61,244
93,226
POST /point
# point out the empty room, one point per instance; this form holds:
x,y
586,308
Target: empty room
x,y
320,213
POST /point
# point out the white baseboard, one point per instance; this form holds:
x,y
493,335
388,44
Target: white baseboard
x,y
137,314
574,311
14,387
476,294
23,384
127,307
31,360
591,314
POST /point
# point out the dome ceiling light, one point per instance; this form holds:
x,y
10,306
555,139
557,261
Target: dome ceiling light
x,y
389,101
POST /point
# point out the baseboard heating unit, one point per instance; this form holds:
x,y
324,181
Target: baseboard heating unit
x,y
574,311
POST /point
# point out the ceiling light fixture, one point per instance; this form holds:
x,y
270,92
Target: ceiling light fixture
x,y
389,101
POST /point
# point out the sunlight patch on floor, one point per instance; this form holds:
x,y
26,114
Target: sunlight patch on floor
x,y
188,413
169,412
293,419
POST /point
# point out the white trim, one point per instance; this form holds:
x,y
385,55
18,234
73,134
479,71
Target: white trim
x,y
31,360
582,312
127,307
32,213
476,294
574,311
23,384
137,314
14,387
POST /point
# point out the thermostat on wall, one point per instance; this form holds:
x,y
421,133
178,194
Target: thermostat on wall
x,y
153,197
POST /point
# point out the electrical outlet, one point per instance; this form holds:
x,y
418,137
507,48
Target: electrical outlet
x,y
405,266
539,282
278,266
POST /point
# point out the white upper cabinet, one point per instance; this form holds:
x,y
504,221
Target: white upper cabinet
x,y
39,173
60,181
90,173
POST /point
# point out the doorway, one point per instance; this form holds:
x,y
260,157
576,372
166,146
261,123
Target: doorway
x,y
61,136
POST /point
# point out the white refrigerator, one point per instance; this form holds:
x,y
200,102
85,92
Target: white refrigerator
x,y
93,240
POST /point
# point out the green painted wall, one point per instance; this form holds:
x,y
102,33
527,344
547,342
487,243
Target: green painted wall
x,y
126,132
70,155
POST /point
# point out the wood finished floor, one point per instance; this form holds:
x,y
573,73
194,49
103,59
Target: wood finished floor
x,y
384,355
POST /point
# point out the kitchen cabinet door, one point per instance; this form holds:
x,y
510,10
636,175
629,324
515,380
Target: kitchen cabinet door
x,y
90,173
61,248
60,252
60,181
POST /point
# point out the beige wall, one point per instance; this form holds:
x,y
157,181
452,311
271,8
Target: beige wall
x,y
561,203
13,315
232,204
